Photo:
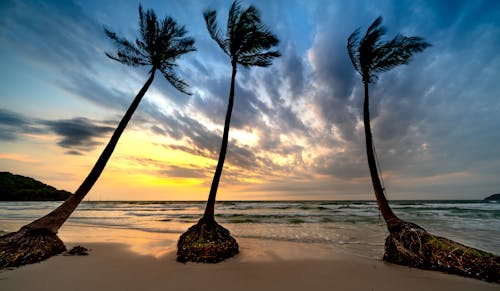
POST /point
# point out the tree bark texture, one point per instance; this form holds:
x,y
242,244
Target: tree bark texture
x,y
390,218
210,207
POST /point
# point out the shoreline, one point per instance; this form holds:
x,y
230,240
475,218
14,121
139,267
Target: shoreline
x,y
156,242
261,265
355,227
133,259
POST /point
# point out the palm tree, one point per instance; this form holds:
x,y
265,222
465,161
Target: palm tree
x,y
409,244
248,43
159,46
370,56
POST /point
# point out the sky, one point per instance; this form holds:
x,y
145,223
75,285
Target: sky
x,y
296,129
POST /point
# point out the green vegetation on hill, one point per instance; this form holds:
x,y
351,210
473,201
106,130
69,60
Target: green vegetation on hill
x,y
20,188
494,197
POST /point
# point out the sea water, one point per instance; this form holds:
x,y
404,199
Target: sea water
x,y
354,226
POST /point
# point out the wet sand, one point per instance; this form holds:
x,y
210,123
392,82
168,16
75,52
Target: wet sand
x,y
146,262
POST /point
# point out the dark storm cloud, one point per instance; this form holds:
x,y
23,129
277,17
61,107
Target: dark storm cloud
x,y
9,118
12,125
78,133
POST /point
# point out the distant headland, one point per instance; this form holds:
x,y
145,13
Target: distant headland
x,y
19,188
494,197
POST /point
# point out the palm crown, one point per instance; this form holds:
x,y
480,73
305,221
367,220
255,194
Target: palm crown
x,y
159,46
370,55
247,41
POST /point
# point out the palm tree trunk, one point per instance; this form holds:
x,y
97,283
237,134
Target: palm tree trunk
x,y
55,219
390,218
208,216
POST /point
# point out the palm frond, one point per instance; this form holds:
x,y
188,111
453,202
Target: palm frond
x,y
373,34
171,42
255,36
369,55
352,48
368,45
233,20
259,59
214,30
247,42
149,28
127,59
397,51
142,22
159,45
182,46
143,49
376,25
175,81
247,28
127,53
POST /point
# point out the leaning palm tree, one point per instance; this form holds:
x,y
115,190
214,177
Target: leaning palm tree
x,y
408,243
247,43
159,46
370,56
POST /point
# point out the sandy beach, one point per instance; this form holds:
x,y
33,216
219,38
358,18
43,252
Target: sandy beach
x,y
122,259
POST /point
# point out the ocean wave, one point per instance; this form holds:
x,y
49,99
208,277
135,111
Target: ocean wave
x,y
335,222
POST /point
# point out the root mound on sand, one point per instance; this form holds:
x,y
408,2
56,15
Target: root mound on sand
x,y
415,247
28,246
206,242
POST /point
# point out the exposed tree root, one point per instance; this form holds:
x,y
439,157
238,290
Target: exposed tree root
x,y
206,242
415,247
28,246
77,251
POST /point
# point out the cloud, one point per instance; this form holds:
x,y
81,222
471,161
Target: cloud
x,y
200,141
74,153
174,171
78,134
434,117
184,172
13,125
78,55
94,91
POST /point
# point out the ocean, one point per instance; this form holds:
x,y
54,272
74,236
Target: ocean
x,y
352,226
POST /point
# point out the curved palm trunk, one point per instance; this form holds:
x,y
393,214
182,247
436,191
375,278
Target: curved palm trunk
x,y
390,218
55,219
209,209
